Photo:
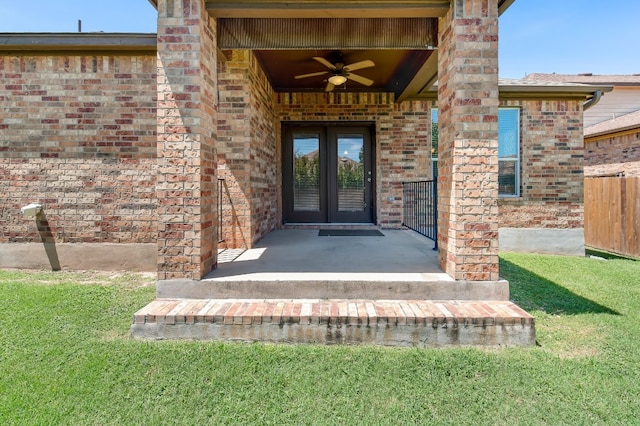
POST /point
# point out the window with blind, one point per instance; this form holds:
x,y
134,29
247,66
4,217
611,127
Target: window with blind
x,y
306,173
508,150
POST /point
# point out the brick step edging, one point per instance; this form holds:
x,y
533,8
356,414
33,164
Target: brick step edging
x,y
413,323
346,312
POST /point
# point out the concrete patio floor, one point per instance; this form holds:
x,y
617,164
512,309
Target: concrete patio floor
x,y
300,254
298,263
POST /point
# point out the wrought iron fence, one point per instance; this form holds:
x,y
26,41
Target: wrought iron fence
x,y
420,208
221,192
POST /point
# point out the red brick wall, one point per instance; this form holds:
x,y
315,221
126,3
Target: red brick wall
x,y
234,142
77,106
264,194
77,135
612,155
187,160
551,167
246,150
84,200
468,140
402,137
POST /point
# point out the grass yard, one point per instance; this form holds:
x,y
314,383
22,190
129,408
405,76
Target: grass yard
x,y
66,358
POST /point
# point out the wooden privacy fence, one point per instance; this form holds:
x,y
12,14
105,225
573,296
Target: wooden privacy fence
x,y
612,214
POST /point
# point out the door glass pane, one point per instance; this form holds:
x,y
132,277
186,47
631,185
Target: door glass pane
x,y
351,178
507,177
306,173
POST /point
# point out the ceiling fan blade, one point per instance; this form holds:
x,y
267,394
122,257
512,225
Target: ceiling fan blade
x,y
313,74
360,79
359,65
329,87
324,62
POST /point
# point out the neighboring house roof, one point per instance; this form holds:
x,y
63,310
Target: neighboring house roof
x,y
589,78
619,124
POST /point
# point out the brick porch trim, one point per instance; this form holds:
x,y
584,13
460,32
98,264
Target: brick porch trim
x,y
384,322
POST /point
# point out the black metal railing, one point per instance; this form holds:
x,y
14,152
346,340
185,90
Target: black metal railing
x,y
221,192
420,208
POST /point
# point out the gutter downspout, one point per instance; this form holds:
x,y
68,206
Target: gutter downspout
x,y
594,100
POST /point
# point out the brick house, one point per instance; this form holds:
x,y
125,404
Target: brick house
x,y
122,137
612,147
611,126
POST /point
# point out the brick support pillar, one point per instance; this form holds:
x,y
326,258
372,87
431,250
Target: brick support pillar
x,y
187,103
468,148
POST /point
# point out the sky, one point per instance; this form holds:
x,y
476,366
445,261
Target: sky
x,y
121,16
570,37
536,36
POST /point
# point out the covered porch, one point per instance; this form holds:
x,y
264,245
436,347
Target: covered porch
x,y
247,88
235,78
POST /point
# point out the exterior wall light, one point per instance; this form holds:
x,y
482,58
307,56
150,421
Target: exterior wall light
x,y
31,210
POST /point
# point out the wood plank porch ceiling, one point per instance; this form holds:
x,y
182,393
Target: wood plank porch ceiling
x,y
399,47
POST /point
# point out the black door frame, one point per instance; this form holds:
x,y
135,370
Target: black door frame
x,y
328,212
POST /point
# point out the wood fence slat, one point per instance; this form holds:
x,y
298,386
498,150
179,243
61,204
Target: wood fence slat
x,y
633,217
612,214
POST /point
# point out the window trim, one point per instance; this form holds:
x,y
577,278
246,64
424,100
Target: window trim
x,y
517,159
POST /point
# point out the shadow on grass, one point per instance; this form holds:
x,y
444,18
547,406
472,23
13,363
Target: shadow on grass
x,y
533,292
608,255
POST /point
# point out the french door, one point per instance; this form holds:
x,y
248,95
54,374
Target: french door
x,y
327,174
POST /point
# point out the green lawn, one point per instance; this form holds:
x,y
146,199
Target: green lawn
x,y
66,358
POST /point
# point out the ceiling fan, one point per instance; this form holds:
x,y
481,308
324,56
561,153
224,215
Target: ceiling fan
x,y
340,72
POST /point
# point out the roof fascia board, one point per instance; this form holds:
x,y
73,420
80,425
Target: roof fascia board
x,y
618,84
327,8
503,5
48,42
545,95
629,130
568,90
529,93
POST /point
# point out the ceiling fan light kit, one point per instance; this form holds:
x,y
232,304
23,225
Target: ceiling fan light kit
x,y
337,80
341,72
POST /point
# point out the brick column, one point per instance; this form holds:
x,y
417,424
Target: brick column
x,y
468,149
187,103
